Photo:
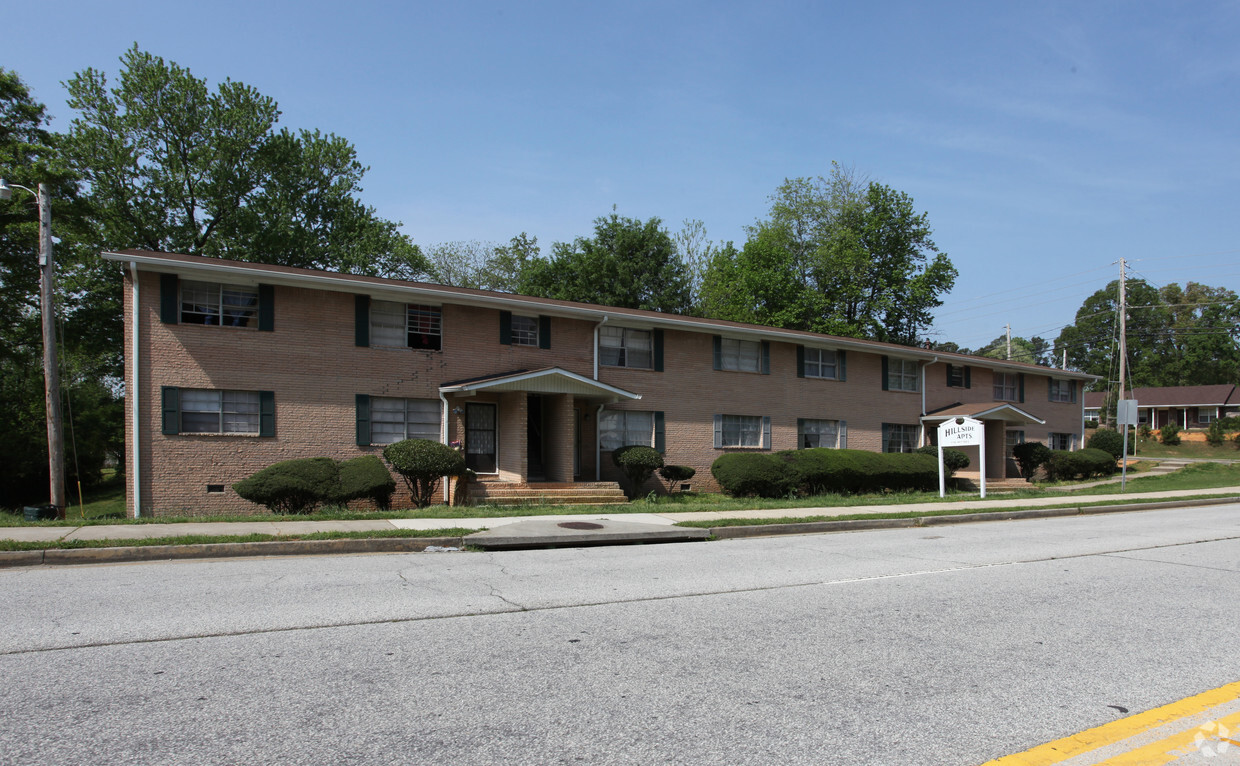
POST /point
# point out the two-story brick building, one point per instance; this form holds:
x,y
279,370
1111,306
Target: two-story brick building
x,y
233,366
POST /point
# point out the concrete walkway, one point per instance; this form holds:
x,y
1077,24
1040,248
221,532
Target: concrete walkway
x,y
294,527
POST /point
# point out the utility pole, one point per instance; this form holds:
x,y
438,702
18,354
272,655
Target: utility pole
x,y
51,367
1123,327
1008,328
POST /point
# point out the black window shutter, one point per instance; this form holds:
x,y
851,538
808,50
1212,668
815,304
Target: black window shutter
x,y
885,387
1050,389
949,376
718,353
656,339
841,365
505,328
660,435
800,363
1073,384
1020,379
266,308
968,377
766,357
361,319
266,413
544,332
363,419
800,433
171,404
169,300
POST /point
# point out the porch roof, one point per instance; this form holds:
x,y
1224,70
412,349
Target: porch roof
x,y
1004,412
548,380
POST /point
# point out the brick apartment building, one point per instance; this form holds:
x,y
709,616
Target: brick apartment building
x,y
233,366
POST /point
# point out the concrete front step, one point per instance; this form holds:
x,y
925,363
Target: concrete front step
x,y
579,493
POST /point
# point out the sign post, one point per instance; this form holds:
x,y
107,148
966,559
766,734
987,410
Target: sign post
x,y
1125,415
962,432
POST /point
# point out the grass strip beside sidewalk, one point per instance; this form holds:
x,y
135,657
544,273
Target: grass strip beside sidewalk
x,y
18,545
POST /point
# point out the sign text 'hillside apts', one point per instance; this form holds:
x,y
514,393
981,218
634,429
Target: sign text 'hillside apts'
x,y
962,432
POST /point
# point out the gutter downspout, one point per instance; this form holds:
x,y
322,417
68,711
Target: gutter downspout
x,y
596,329
443,437
134,395
924,440
598,449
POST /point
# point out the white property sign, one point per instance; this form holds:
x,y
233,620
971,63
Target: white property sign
x,y
962,432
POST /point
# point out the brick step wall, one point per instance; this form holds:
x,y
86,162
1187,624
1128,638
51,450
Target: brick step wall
x,y
511,493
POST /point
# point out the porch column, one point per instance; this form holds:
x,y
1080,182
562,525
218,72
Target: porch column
x,y
558,437
513,419
996,441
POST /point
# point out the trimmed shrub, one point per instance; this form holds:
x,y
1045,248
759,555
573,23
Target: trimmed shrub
x,y
1169,434
745,474
1030,456
1108,441
1144,431
292,486
1230,423
1083,464
675,474
421,463
953,459
366,478
1215,434
638,464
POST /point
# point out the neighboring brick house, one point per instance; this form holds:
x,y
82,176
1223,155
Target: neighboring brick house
x,y
1186,406
233,366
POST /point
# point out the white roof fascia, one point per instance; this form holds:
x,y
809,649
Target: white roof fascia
x,y
481,385
616,316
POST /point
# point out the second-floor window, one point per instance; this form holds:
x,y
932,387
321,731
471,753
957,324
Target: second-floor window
x,y
901,375
625,347
524,330
1007,385
211,303
821,363
1063,390
740,355
406,324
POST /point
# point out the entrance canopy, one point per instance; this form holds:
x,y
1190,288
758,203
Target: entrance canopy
x,y
1005,412
549,380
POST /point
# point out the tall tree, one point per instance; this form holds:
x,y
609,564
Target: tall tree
x,y
627,263
482,265
837,255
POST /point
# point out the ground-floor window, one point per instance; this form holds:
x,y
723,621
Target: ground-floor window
x,y
620,428
817,433
219,412
899,437
1061,441
393,420
1010,440
1207,415
742,431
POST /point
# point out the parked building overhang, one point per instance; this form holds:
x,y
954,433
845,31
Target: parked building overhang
x,y
549,380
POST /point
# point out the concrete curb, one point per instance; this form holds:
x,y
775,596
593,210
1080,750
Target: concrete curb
x,y
823,527
223,550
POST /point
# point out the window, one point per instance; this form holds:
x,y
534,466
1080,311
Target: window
x,y
400,324
1011,439
1006,386
215,304
899,437
625,347
901,374
742,431
393,420
1207,415
818,433
524,330
1063,391
620,428
219,412
740,355
958,376
1061,441
821,363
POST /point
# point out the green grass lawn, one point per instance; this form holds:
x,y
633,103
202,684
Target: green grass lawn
x,y
105,505
1152,448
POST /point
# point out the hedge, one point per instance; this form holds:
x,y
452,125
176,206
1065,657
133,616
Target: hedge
x,y
953,459
1030,456
821,470
1083,464
1108,441
292,486
366,478
638,464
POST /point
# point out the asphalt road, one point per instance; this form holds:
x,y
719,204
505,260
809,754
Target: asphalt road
x,y
946,645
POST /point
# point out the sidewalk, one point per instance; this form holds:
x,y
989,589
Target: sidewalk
x,y
293,527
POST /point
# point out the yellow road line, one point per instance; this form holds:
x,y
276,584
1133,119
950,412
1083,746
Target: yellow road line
x,y
1170,749
1109,733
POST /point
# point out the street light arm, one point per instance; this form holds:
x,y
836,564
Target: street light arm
x,y
6,189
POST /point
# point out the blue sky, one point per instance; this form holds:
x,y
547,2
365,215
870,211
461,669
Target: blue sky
x,y
1045,140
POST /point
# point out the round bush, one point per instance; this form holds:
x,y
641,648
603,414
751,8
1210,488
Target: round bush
x,y
1030,456
638,464
953,459
675,474
1169,434
1083,464
292,486
366,478
421,463
747,474
1108,441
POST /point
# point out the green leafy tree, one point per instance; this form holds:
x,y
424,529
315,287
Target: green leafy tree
x,y
627,263
836,255
482,265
